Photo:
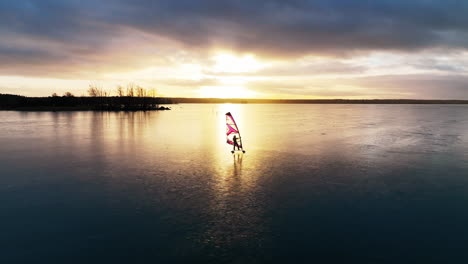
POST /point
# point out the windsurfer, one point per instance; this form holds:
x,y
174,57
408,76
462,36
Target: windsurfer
x,y
234,140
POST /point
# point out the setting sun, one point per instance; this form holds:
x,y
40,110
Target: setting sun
x,y
229,63
231,74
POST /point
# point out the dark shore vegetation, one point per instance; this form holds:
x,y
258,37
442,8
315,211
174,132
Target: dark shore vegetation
x,y
133,98
114,103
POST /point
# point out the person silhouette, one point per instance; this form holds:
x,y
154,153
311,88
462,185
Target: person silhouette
x,y
235,144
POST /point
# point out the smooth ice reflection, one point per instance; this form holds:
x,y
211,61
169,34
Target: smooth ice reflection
x,y
361,183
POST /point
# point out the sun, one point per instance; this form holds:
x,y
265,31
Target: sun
x,y
228,63
232,75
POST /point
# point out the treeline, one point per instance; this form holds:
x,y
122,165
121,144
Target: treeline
x,y
131,90
131,98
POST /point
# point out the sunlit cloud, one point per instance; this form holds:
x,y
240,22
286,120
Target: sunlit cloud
x,y
229,63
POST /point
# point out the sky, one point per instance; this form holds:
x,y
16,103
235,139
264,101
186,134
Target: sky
x,y
237,48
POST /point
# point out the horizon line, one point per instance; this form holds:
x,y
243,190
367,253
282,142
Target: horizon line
x,y
255,99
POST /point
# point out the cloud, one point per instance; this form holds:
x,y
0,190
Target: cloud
x,y
273,28
190,83
309,69
312,88
418,85
300,27
415,86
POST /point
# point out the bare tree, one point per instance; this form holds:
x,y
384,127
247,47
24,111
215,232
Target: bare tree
x,y
141,92
120,91
68,94
54,95
130,90
93,90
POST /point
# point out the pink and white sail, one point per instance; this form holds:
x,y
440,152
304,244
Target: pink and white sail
x,y
232,130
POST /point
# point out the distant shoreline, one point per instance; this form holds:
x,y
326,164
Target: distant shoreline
x,y
125,103
313,101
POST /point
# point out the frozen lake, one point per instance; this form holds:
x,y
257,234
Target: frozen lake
x,y
319,183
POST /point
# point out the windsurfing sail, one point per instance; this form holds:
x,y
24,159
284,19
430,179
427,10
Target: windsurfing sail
x,y
232,131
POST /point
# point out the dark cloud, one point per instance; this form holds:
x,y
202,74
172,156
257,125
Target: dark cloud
x,y
275,28
42,33
16,55
298,27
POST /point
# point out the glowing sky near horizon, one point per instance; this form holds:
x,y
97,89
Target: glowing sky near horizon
x,y
243,49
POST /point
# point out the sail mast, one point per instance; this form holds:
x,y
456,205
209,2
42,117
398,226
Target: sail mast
x,y
232,130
